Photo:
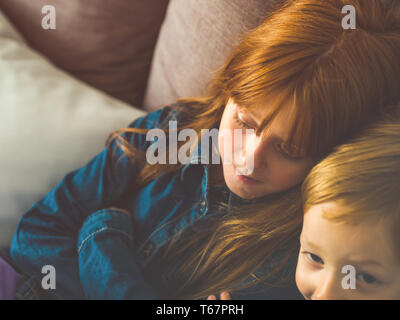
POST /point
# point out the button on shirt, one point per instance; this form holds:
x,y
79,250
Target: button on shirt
x,y
100,252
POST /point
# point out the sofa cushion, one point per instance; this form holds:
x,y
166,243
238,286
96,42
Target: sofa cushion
x,y
196,38
50,124
106,43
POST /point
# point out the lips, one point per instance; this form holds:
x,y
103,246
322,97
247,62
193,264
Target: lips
x,y
245,178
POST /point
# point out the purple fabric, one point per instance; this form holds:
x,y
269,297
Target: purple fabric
x,y
9,281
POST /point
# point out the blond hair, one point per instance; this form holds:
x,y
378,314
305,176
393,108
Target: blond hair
x,y
362,177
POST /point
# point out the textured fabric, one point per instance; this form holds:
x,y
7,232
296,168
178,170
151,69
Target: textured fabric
x,y
9,281
196,38
99,252
107,258
50,124
107,43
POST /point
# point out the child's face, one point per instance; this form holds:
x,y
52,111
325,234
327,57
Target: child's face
x,y
274,170
327,246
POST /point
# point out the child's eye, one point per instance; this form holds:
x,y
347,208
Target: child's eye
x,y
314,258
367,278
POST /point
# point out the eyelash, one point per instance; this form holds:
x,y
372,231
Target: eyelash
x,y
286,155
241,123
278,146
376,281
312,260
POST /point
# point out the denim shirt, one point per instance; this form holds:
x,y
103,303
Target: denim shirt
x,y
98,250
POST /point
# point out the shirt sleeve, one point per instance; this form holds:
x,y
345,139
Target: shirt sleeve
x,y
107,258
47,233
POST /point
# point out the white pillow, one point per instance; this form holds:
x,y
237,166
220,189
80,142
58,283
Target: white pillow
x,y
50,124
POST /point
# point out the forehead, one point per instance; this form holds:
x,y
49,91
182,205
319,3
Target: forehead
x,y
362,241
280,125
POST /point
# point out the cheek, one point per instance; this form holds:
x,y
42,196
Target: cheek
x,y
397,292
223,143
285,174
225,137
302,278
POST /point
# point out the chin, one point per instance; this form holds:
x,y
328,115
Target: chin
x,y
243,195
239,188
241,191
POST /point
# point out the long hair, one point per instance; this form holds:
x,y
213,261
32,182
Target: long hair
x,y
336,82
362,177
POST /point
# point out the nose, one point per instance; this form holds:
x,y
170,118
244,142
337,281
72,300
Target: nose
x,y
257,150
328,288
251,153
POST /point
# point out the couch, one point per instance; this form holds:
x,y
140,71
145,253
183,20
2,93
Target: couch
x,y
63,90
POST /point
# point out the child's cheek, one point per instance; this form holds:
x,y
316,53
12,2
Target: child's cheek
x,y
301,279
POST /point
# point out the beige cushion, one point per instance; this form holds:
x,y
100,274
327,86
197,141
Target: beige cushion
x,y
106,43
50,124
195,39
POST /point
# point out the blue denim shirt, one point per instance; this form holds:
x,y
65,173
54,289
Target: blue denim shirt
x,y
98,250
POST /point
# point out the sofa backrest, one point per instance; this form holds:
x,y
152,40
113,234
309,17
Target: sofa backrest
x,y
108,44
195,39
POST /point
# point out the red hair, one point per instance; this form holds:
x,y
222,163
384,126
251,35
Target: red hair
x,y
337,81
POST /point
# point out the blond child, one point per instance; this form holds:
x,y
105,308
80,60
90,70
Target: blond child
x,y
350,243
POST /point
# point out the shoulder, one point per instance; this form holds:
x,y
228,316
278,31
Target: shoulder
x,y
156,119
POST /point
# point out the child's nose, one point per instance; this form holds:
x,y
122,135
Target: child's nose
x,y
328,288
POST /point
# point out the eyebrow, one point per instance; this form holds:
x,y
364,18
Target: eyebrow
x,y
248,113
360,262
309,243
368,263
245,112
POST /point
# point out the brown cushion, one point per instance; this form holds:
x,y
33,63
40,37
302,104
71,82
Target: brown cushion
x,y
195,39
106,43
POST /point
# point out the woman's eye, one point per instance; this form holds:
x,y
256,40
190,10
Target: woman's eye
x,y
367,278
314,258
285,153
245,125
242,123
